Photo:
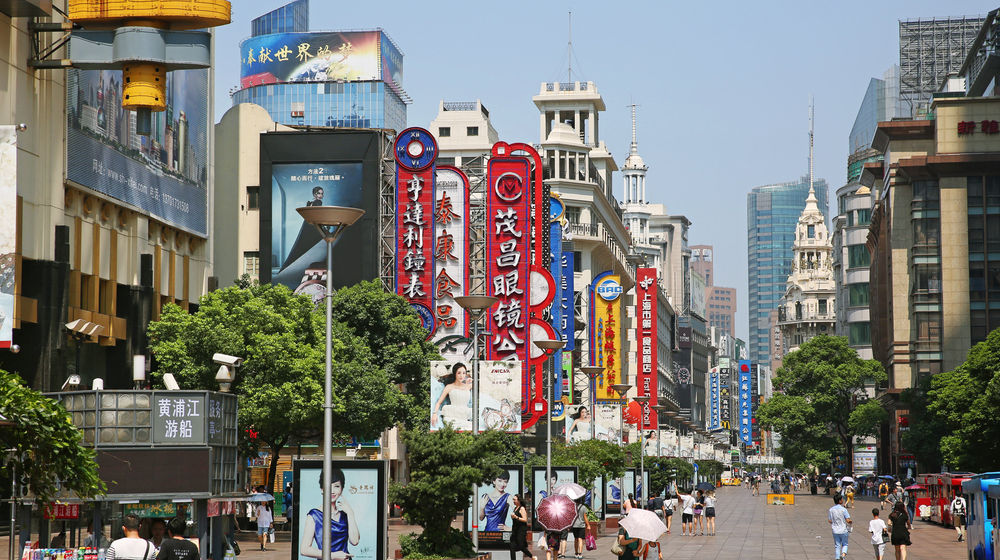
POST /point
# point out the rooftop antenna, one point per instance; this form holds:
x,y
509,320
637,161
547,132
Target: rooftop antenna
x,y
569,51
811,119
635,143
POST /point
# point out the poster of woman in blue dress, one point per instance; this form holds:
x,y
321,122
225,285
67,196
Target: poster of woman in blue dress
x,y
496,505
357,510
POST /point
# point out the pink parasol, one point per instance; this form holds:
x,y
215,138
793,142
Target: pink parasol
x,y
556,512
915,487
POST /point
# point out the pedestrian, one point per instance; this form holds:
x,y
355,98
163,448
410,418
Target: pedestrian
x,y
899,530
813,484
131,546
629,545
176,547
668,509
519,531
580,527
849,493
880,534
883,494
840,524
157,531
958,515
699,512
286,501
265,521
552,541
686,504
95,538
710,502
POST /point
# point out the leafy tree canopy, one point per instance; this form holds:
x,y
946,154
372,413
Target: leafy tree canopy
x,y
49,455
592,458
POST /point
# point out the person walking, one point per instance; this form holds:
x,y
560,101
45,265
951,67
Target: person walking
x,y
265,522
629,545
880,534
958,516
519,531
840,523
883,494
131,546
286,500
668,509
580,527
176,547
686,505
899,530
710,502
699,512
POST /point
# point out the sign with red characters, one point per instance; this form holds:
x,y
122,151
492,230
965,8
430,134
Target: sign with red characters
x,y
62,511
415,151
646,359
508,246
451,260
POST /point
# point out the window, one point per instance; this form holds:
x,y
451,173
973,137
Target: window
x,y
822,307
864,217
926,279
444,131
928,327
858,256
858,295
926,232
251,263
577,261
253,198
859,334
472,131
573,214
811,233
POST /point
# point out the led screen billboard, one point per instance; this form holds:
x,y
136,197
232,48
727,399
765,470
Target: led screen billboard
x,y
326,56
164,174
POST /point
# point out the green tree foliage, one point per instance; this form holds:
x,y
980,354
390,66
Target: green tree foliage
x,y
592,458
281,338
444,465
49,455
961,408
663,470
821,404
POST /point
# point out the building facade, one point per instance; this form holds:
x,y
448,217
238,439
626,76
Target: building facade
x,y
293,17
772,215
720,303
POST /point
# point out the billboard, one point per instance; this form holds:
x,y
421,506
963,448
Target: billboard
x,y
539,486
714,406
556,318
567,284
607,424
451,257
725,398
508,252
164,174
646,358
499,395
357,527
415,151
496,507
697,294
745,398
451,396
606,332
344,164
8,231
324,56
613,492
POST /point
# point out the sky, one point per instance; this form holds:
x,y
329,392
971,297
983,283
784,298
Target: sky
x,y
723,88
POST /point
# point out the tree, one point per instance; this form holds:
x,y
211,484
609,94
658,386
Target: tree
x,y
444,465
48,453
663,470
822,404
281,338
592,458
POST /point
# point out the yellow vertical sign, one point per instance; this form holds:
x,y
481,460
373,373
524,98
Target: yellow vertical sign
x,y
606,332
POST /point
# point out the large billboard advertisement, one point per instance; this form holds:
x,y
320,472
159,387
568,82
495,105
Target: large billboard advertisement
x,y
330,168
539,486
499,395
605,418
451,258
326,56
714,398
496,507
357,527
606,332
613,492
164,174
8,231
647,379
698,294
508,254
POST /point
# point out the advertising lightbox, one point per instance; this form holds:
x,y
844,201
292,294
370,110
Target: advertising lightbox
x,y
324,56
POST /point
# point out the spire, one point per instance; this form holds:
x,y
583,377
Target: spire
x,y
812,192
635,143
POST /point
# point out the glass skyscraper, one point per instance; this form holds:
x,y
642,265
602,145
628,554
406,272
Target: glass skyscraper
x,y
772,214
290,18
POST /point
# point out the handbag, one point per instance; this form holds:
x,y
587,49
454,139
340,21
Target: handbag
x,y
542,544
885,536
590,542
617,549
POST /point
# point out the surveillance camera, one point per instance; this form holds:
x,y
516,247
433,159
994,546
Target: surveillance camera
x,y
72,383
225,378
170,383
227,360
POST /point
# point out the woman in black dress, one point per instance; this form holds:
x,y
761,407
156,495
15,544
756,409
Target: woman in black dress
x,y
519,531
899,529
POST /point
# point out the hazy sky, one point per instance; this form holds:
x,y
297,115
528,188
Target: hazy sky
x,y
723,88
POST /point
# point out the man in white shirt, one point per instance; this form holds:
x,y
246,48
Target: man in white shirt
x,y
958,516
131,547
877,528
686,504
840,521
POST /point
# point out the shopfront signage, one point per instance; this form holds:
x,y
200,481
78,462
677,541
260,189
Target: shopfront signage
x,y
451,256
415,151
646,358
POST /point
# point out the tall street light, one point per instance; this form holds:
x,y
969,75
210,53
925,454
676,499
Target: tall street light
x,y
591,372
475,306
550,347
621,389
642,400
331,221
660,409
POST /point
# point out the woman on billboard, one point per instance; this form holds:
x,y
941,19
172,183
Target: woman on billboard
x,y
579,430
458,393
495,505
343,526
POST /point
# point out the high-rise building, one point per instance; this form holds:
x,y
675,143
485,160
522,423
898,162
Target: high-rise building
x,y
772,215
929,50
881,102
344,79
720,302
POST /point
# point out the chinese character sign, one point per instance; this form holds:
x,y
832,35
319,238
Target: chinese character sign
x,y
725,398
745,398
556,310
451,252
713,399
415,152
646,358
62,511
315,57
179,418
508,257
754,400
605,332
566,287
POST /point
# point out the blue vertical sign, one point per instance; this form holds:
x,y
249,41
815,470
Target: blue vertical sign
x,y
713,399
555,268
745,402
566,287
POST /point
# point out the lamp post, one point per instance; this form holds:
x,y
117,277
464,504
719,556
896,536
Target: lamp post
x,y
642,400
475,306
660,410
549,347
591,372
621,389
331,221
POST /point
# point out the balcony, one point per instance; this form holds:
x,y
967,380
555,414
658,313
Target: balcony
x,y
597,232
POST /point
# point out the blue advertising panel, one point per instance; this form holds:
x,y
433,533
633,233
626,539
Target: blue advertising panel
x,y
496,507
392,61
566,287
164,174
556,310
327,56
745,401
713,399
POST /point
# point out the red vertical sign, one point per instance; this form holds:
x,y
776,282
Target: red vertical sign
x,y
508,246
415,151
646,291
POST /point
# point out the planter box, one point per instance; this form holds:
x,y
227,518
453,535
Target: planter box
x,y
398,555
611,523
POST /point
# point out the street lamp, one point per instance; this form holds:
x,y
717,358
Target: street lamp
x,y
660,409
332,222
475,306
621,389
591,372
549,347
642,400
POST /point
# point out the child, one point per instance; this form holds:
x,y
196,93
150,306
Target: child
x,y
879,531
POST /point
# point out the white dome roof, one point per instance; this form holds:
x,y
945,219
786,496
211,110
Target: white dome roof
x,y
563,133
634,161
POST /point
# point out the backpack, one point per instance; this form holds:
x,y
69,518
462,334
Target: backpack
x,y
959,508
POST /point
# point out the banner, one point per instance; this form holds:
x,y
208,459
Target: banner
x,y
613,494
500,395
357,527
568,377
669,444
567,286
605,332
556,269
646,358
744,402
8,231
451,396
451,262
508,256
415,151
713,399
687,446
343,56
755,398
605,418
725,399
496,505
539,486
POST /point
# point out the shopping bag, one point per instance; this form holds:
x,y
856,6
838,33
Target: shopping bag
x,y
542,544
591,542
270,534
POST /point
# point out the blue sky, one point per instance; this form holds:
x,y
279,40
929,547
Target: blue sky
x,y
723,88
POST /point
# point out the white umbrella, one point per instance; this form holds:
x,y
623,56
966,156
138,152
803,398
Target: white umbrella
x,y
847,480
571,490
643,524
